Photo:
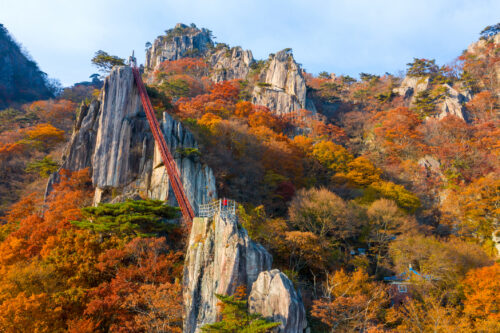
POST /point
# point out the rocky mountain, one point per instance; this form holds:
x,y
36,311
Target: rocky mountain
x,y
20,78
112,138
179,42
279,84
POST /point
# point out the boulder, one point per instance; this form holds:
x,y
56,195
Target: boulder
x,y
282,87
230,64
274,296
220,257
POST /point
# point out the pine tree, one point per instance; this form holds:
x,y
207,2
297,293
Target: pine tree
x,y
140,218
236,318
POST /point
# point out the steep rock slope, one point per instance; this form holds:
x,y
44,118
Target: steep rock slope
x,y
452,103
230,64
411,86
112,138
182,41
221,257
282,88
488,48
20,78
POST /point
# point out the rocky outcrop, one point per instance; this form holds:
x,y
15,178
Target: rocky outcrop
x,y
411,86
282,88
230,64
182,41
197,178
453,104
220,257
478,50
113,139
79,151
20,78
274,296
123,140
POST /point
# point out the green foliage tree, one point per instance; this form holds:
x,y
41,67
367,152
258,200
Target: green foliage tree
x,y
422,67
43,167
365,77
324,75
105,62
347,80
424,103
140,218
490,30
236,318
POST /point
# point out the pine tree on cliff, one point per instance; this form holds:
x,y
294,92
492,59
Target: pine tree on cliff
x,y
236,318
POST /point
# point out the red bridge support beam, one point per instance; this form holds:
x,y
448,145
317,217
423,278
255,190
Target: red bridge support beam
x,y
168,160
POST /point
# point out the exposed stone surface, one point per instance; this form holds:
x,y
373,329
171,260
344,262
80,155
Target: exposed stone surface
x,y
274,296
431,165
411,86
495,236
123,142
453,104
182,41
230,64
197,178
113,139
220,257
20,78
282,88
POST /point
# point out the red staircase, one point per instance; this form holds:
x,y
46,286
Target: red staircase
x,y
168,160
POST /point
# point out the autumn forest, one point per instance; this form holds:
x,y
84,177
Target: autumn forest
x,y
377,197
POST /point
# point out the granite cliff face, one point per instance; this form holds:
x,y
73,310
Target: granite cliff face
x,y
411,86
230,64
221,257
112,138
182,41
20,78
452,103
282,88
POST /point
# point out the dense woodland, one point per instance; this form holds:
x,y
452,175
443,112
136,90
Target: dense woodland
x,y
341,199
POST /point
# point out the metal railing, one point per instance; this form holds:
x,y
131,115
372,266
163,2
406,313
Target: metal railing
x,y
225,207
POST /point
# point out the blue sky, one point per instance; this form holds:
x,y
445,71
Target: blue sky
x,y
339,36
